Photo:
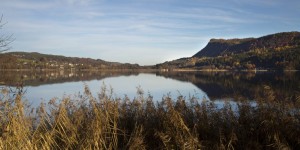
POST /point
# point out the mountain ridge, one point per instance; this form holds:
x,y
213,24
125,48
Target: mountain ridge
x,y
218,47
279,51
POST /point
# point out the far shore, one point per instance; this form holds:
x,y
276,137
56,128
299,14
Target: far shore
x,y
148,70
225,70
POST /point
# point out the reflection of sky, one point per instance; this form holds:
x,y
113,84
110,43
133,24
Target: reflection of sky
x,y
155,85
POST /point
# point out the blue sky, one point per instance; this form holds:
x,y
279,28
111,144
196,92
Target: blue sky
x,y
146,32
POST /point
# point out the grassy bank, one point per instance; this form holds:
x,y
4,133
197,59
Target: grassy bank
x,y
86,122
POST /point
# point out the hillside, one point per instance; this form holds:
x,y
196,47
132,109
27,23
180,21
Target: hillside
x,y
280,51
38,61
219,47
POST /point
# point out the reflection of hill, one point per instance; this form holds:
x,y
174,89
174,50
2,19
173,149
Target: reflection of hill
x,y
242,85
40,78
217,85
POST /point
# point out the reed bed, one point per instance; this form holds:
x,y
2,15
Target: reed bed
x,y
105,122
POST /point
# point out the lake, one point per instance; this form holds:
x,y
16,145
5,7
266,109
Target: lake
x,y
214,86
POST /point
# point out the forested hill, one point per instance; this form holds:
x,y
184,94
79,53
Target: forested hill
x,y
280,51
219,47
33,61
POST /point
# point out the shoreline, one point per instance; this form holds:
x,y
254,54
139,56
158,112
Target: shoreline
x,y
145,70
225,70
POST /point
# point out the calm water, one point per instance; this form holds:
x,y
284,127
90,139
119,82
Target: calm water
x,y
215,86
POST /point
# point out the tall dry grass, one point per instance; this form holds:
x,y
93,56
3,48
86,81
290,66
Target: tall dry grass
x,y
86,122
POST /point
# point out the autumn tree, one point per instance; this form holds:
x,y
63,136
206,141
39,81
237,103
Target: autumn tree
x,y
5,39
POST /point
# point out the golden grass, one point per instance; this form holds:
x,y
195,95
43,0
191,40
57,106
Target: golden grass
x,y
86,122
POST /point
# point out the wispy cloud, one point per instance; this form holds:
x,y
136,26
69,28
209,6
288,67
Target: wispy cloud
x,y
117,30
75,2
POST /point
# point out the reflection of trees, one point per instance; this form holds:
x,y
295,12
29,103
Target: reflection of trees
x,y
28,78
217,85
240,85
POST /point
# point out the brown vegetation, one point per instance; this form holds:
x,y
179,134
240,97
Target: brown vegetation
x,y
86,122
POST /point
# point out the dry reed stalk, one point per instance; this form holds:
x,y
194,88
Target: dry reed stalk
x,y
108,123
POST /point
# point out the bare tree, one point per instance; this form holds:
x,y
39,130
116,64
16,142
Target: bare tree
x,y
5,40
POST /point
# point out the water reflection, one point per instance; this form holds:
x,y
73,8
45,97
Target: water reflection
x,y
241,85
212,85
28,78
40,87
